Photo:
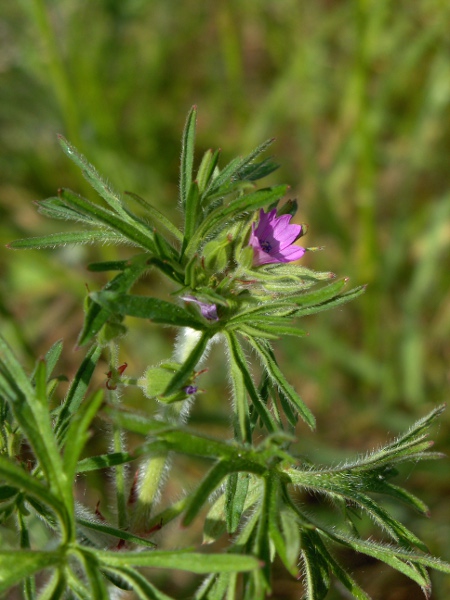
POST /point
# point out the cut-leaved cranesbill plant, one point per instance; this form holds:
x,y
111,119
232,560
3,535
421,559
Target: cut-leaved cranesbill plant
x,y
235,276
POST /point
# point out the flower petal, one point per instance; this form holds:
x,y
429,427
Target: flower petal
x,y
209,311
266,223
272,239
292,253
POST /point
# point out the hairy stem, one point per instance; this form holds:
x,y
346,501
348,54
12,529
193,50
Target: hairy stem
x,y
118,446
150,478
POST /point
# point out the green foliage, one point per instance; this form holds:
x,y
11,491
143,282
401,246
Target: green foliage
x,y
46,488
255,479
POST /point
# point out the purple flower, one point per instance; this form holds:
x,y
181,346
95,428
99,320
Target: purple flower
x,y
273,239
209,311
190,389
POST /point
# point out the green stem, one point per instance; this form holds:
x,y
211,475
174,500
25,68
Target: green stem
x,y
151,474
118,446
29,585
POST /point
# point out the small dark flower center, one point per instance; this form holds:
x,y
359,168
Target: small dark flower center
x,y
265,246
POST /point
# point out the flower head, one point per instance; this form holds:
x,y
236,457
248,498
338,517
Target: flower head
x,y
209,311
273,239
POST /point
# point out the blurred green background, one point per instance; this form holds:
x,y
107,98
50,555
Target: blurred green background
x,y
357,94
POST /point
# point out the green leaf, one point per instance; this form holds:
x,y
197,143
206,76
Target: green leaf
x,y
400,494
209,484
166,252
189,443
179,559
290,530
316,554
259,170
274,372
185,442
16,565
171,269
236,494
145,307
96,315
117,533
91,174
133,231
342,299
192,213
396,529
268,310
242,427
236,168
289,411
76,393
136,422
52,356
169,437
40,381
215,523
187,155
184,373
55,208
316,569
206,169
140,585
252,330
272,507
348,485
221,184
7,492
105,461
157,217
12,374
76,584
168,514
91,566
319,296
22,480
32,414
237,355
419,428
77,434
54,589
262,542
71,237
265,326
398,558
